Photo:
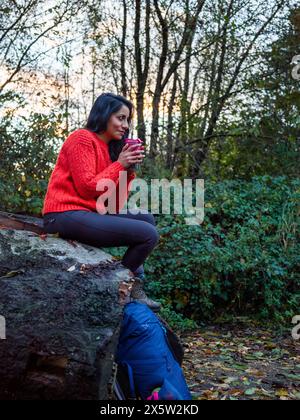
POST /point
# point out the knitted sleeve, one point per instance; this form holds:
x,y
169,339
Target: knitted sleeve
x,y
122,193
82,165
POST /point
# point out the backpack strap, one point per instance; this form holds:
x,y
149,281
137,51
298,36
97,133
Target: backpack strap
x,y
131,380
172,340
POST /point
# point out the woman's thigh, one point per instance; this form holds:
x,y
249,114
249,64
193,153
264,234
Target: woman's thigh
x,y
146,217
100,230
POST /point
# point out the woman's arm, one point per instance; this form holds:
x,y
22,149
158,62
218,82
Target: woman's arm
x,y
82,163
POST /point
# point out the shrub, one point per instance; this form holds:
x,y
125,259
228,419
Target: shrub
x,y
243,260
28,152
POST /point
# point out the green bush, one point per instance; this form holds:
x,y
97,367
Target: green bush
x,y
243,260
28,152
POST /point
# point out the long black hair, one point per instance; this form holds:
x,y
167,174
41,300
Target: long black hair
x,y
105,105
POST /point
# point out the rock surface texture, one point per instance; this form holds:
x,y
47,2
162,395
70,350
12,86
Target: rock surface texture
x,y
63,305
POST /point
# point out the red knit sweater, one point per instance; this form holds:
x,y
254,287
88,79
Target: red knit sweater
x,y
82,161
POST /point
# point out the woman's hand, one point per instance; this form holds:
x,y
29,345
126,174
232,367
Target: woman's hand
x,y
128,156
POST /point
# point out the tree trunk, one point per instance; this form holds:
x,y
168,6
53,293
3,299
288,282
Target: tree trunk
x,y
170,130
161,82
219,99
142,73
123,51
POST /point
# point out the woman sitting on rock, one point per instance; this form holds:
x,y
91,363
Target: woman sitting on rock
x,y
73,205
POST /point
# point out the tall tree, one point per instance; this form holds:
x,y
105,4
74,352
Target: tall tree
x,y
190,23
223,88
123,51
141,71
22,28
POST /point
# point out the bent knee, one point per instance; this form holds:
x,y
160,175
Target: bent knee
x,y
150,218
153,236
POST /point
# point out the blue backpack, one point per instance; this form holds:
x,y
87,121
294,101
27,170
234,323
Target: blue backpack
x,y
144,352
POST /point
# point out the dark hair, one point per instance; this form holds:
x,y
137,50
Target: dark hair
x,y
105,105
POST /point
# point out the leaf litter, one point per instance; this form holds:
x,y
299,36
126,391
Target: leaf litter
x,y
241,361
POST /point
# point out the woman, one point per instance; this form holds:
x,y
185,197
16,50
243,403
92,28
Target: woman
x,y
71,205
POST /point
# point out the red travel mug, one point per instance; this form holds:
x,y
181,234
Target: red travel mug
x,y
138,143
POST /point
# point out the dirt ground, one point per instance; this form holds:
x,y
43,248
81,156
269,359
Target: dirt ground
x,y
242,361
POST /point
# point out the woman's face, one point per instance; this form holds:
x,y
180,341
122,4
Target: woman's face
x,y
118,124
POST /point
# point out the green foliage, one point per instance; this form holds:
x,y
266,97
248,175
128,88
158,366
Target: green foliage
x,y
175,319
243,260
261,134
28,152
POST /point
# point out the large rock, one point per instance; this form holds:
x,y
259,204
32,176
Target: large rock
x,y
63,306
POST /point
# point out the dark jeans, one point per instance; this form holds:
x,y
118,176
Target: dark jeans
x,y
137,231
